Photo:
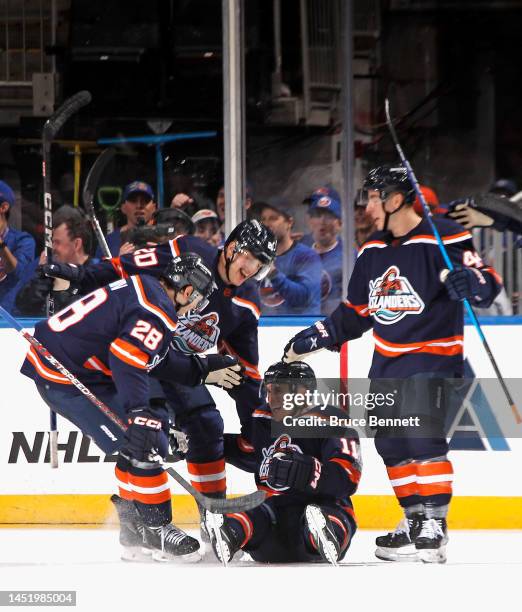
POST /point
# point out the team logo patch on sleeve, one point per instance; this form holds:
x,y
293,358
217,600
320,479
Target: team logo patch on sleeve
x,y
392,297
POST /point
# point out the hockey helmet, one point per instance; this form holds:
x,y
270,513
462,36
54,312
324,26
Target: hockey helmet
x,y
256,238
189,269
295,374
387,180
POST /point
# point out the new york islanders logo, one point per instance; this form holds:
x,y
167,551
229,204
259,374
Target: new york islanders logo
x,y
392,297
197,333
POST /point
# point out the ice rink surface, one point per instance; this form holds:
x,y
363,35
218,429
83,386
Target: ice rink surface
x,y
483,573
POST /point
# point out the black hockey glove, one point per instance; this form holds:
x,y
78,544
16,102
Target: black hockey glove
x,y
311,339
147,435
463,283
69,272
220,370
295,471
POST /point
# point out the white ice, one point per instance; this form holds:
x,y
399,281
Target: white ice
x,y
483,573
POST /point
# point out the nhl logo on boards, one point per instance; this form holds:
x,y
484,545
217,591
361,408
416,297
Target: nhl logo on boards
x,y
392,297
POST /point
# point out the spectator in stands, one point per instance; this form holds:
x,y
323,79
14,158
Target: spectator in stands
x,y
16,250
71,242
138,206
293,285
207,226
325,216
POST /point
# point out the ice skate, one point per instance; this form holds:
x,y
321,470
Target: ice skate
x,y
399,545
431,541
323,534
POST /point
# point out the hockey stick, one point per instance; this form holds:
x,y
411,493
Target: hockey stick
x,y
219,506
447,260
50,129
91,182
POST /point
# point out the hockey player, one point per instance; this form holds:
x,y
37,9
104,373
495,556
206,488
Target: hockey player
x,y
416,314
114,340
308,515
229,321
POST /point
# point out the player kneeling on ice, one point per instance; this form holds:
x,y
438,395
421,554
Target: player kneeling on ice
x,y
115,340
308,515
401,288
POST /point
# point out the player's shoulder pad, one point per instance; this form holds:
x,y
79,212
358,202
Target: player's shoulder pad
x,y
247,297
378,239
192,244
152,298
448,227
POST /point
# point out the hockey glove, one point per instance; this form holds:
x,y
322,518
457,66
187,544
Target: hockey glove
x,y
220,370
178,443
463,283
294,471
146,435
69,272
467,214
311,339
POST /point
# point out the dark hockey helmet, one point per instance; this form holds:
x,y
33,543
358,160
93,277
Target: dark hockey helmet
x,y
175,218
295,374
256,238
387,180
189,269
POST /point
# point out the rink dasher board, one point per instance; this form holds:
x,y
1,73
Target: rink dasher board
x,y
30,491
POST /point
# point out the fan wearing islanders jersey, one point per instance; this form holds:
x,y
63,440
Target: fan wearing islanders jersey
x,y
308,473
401,287
110,340
229,322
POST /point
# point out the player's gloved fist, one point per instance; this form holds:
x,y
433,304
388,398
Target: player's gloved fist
x,y
221,370
69,272
295,471
463,283
146,435
311,339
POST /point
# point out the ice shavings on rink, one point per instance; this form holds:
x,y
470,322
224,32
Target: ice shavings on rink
x,y
484,571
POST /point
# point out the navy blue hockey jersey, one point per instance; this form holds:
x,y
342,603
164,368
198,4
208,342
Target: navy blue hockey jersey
x,y
340,460
113,335
229,321
395,288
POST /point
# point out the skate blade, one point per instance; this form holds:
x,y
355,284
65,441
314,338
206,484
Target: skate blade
x,y
431,555
163,557
136,554
317,524
406,554
214,522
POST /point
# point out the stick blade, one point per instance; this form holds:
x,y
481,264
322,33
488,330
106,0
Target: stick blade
x,y
93,178
237,504
72,105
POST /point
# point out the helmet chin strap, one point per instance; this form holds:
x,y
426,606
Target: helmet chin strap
x,y
387,214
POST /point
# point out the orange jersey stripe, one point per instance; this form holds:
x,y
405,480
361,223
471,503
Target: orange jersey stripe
x,y
452,345
244,446
435,488
149,306
129,353
213,486
117,265
201,469
250,369
248,304
149,481
353,473
93,363
152,498
406,490
401,471
435,468
44,371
